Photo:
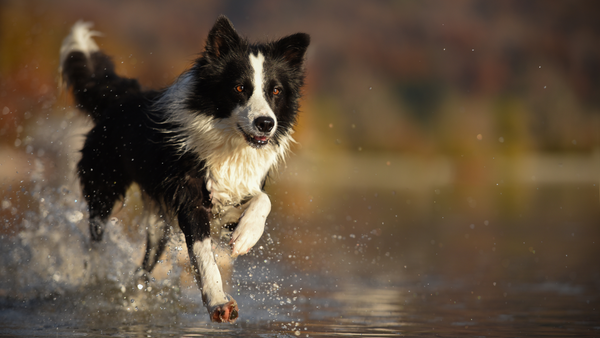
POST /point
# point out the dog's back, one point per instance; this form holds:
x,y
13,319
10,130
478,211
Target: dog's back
x,y
90,73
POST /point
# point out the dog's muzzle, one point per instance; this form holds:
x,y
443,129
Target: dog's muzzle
x,y
262,126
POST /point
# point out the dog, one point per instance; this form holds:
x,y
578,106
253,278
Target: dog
x,y
200,150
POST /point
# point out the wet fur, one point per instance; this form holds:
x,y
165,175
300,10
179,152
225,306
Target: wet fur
x,y
200,150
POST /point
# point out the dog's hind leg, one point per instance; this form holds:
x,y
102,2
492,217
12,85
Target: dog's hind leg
x,y
101,201
158,233
103,181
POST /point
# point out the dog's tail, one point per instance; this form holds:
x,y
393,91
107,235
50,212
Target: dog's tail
x,y
90,73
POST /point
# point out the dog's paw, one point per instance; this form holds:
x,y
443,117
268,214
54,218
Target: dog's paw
x,y
96,229
225,313
246,234
251,225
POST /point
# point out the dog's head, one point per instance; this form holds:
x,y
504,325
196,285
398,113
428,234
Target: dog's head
x,y
252,88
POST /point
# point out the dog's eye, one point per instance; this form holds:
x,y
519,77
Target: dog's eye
x,y
239,88
276,91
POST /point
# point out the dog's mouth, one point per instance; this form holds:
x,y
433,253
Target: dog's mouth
x,y
255,141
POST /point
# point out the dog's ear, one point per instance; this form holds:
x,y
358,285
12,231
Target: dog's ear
x,y
293,48
221,39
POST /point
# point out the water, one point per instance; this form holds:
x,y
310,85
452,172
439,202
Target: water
x,y
339,261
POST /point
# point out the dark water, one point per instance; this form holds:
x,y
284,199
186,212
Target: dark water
x,y
483,260
396,271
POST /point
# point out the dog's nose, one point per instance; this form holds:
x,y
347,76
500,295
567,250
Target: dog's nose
x,y
264,124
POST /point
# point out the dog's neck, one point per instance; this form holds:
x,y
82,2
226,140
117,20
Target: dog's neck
x,y
235,171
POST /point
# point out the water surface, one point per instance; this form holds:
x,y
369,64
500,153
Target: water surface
x,y
385,257
320,273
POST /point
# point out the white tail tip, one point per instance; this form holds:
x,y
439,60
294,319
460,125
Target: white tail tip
x,y
80,39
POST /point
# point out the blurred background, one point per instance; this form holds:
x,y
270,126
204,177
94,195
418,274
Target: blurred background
x,y
454,138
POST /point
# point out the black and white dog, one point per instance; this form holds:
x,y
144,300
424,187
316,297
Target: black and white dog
x,y
200,150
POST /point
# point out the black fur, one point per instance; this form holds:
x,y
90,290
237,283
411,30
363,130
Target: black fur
x,y
131,141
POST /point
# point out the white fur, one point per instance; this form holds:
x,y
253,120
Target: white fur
x,y
235,170
257,105
80,39
207,274
251,225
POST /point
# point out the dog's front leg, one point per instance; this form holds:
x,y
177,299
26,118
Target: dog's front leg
x,y
196,227
251,225
221,306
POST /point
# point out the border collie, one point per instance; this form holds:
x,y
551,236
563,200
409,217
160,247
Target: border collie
x,y
200,150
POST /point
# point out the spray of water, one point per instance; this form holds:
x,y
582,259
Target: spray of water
x,y
51,257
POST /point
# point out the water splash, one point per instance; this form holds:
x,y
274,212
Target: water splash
x,y
49,261
52,255
52,259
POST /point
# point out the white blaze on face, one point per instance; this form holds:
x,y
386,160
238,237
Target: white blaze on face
x,y
257,105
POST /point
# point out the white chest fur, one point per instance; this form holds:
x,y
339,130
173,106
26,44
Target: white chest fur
x,y
234,170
